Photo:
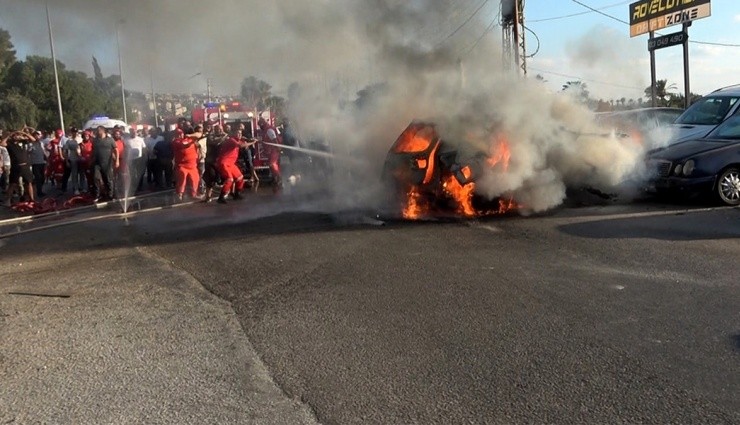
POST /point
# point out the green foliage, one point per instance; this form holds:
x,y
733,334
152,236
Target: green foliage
x,y
255,92
17,111
662,92
579,90
277,105
7,53
32,81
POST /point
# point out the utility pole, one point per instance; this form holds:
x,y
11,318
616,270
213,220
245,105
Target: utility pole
x,y
120,72
513,35
56,73
154,101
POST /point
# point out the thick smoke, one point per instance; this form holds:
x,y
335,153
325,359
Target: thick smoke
x,y
554,141
334,48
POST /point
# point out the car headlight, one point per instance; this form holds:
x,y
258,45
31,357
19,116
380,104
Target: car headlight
x,y
688,167
678,169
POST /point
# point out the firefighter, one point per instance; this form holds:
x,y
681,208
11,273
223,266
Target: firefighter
x,y
185,150
213,147
270,135
226,163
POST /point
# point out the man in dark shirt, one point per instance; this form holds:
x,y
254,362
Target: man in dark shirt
x,y
213,145
165,155
20,168
105,160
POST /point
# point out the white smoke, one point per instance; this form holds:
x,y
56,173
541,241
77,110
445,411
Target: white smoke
x,y
426,66
554,140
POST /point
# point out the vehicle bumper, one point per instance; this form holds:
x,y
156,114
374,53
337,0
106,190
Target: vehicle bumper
x,y
682,184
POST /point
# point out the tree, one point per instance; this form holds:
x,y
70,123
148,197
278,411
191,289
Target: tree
x,y
34,80
97,73
276,105
662,94
577,89
7,53
255,92
17,111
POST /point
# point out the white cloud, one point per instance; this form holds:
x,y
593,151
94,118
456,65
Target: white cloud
x,y
737,18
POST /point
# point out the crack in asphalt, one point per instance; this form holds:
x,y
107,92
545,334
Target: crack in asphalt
x,y
257,357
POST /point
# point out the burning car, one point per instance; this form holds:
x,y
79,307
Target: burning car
x,y
709,165
428,176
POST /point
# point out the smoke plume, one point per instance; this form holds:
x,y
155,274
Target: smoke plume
x,y
554,140
422,63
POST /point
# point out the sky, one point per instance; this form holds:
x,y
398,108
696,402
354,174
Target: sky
x,y
167,42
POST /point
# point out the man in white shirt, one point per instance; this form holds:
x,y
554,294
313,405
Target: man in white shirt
x,y
136,159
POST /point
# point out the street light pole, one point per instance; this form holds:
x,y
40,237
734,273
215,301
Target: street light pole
x,y
56,73
120,72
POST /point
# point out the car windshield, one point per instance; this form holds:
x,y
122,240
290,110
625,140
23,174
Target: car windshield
x,y
707,110
729,129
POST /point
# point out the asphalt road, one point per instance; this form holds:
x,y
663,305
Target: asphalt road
x,y
611,314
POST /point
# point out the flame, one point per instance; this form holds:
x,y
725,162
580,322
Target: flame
x,y
461,194
506,205
499,152
415,140
415,205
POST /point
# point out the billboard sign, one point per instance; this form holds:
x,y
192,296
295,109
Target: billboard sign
x,y
654,15
667,40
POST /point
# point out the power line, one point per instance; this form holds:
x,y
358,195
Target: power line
x,y
554,18
452,34
488,29
627,23
586,79
600,12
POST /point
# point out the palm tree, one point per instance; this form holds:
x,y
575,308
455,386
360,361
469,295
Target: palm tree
x,y
662,92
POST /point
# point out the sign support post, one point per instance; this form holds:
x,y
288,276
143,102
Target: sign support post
x,y
653,100
649,16
686,79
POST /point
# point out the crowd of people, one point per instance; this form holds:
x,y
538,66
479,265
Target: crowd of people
x,y
104,164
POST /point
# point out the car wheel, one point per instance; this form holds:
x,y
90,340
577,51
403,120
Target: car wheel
x,y
728,186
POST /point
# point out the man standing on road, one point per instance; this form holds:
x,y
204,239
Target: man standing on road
x,y
164,154
105,160
4,162
270,135
213,146
151,166
37,157
71,149
136,160
20,168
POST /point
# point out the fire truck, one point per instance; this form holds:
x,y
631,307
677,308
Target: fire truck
x,y
233,114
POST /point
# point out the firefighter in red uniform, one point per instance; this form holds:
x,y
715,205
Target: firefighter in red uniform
x,y
55,158
186,151
226,165
270,135
86,159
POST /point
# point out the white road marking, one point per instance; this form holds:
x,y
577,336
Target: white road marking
x,y
661,213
